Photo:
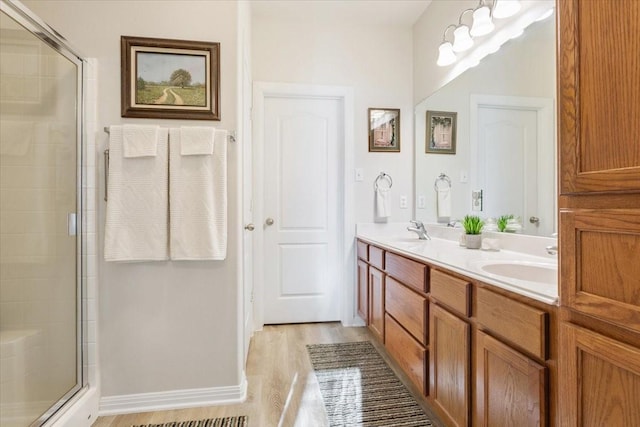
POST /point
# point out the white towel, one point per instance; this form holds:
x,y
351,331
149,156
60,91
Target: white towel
x,y
198,201
382,202
196,140
444,203
137,209
140,140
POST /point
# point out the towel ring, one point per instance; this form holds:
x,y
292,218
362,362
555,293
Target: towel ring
x,y
383,176
442,178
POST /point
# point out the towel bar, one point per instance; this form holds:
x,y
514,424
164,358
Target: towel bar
x,y
231,136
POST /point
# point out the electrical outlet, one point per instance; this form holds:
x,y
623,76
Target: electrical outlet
x,y
476,200
421,202
403,202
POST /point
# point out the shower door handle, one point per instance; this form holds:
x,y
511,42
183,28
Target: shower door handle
x,y
72,224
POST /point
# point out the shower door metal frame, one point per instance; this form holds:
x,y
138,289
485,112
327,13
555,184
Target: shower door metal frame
x,y
27,19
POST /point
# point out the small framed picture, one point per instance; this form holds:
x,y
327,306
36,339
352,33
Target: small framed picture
x,y
384,129
441,132
170,79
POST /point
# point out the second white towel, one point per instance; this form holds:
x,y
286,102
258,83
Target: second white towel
x,y
444,204
382,203
198,200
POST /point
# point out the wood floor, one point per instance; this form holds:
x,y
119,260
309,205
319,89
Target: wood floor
x,y
282,391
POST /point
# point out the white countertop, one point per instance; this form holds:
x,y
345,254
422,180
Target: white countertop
x,y
443,250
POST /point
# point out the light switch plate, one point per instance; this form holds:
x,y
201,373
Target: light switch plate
x,y
421,202
359,174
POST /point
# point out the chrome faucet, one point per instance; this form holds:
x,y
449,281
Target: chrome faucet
x,y
418,227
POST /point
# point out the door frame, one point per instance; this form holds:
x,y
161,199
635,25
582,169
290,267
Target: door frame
x,y
545,108
346,223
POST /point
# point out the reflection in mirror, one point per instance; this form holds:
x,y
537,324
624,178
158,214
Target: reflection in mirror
x,y
504,162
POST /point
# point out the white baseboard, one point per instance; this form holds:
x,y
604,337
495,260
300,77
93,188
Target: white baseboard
x,y
174,399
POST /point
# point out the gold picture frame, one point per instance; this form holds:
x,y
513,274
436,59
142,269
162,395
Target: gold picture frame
x,y
384,129
440,135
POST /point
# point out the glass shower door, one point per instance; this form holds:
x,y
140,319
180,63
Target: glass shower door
x,y
39,196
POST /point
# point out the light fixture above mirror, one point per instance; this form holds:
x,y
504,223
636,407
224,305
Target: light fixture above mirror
x,y
482,24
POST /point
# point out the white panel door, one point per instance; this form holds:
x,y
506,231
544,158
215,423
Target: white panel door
x,y
507,163
302,142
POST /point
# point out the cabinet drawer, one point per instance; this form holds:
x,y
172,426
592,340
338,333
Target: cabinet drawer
x,y
407,307
407,352
376,257
451,291
522,325
409,272
363,250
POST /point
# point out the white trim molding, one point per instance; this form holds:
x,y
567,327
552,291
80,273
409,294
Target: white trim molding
x,y
173,399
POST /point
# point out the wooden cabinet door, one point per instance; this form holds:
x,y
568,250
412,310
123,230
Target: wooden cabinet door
x,y
376,303
600,380
363,291
599,89
510,387
449,365
600,268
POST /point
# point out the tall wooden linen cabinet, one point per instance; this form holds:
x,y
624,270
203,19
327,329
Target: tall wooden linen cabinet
x,y
599,180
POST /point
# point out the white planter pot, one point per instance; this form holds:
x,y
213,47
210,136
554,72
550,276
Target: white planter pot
x,y
474,241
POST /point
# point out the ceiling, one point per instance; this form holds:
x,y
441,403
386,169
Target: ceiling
x,y
371,12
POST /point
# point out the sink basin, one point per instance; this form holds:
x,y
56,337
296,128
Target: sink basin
x,y
528,271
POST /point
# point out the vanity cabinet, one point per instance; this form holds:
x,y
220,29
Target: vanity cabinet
x,y
363,291
599,175
376,303
449,366
482,356
510,387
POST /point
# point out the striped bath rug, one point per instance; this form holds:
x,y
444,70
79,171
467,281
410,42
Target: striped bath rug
x,y
240,421
359,388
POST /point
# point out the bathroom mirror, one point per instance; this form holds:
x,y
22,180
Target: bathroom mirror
x,y
505,161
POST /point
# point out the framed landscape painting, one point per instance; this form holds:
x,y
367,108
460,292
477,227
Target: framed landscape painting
x,y
170,79
441,132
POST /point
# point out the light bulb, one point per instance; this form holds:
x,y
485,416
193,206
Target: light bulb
x,y
446,55
461,39
482,23
505,8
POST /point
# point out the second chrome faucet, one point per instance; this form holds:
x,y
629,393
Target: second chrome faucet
x,y
418,228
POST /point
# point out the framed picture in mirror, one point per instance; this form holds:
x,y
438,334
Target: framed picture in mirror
x,y
441,132
384,129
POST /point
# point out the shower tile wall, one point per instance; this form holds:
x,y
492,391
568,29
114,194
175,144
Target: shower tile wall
x,y
92,195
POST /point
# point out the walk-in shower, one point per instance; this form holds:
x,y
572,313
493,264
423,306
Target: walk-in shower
x,y
41,256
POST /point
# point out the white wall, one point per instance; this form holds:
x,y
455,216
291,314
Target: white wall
x,y
162,326
375,61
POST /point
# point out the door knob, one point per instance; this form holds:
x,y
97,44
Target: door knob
x,y
269,221
534,220
249,227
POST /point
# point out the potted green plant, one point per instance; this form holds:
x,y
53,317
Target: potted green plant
x,y
473,228
502,222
